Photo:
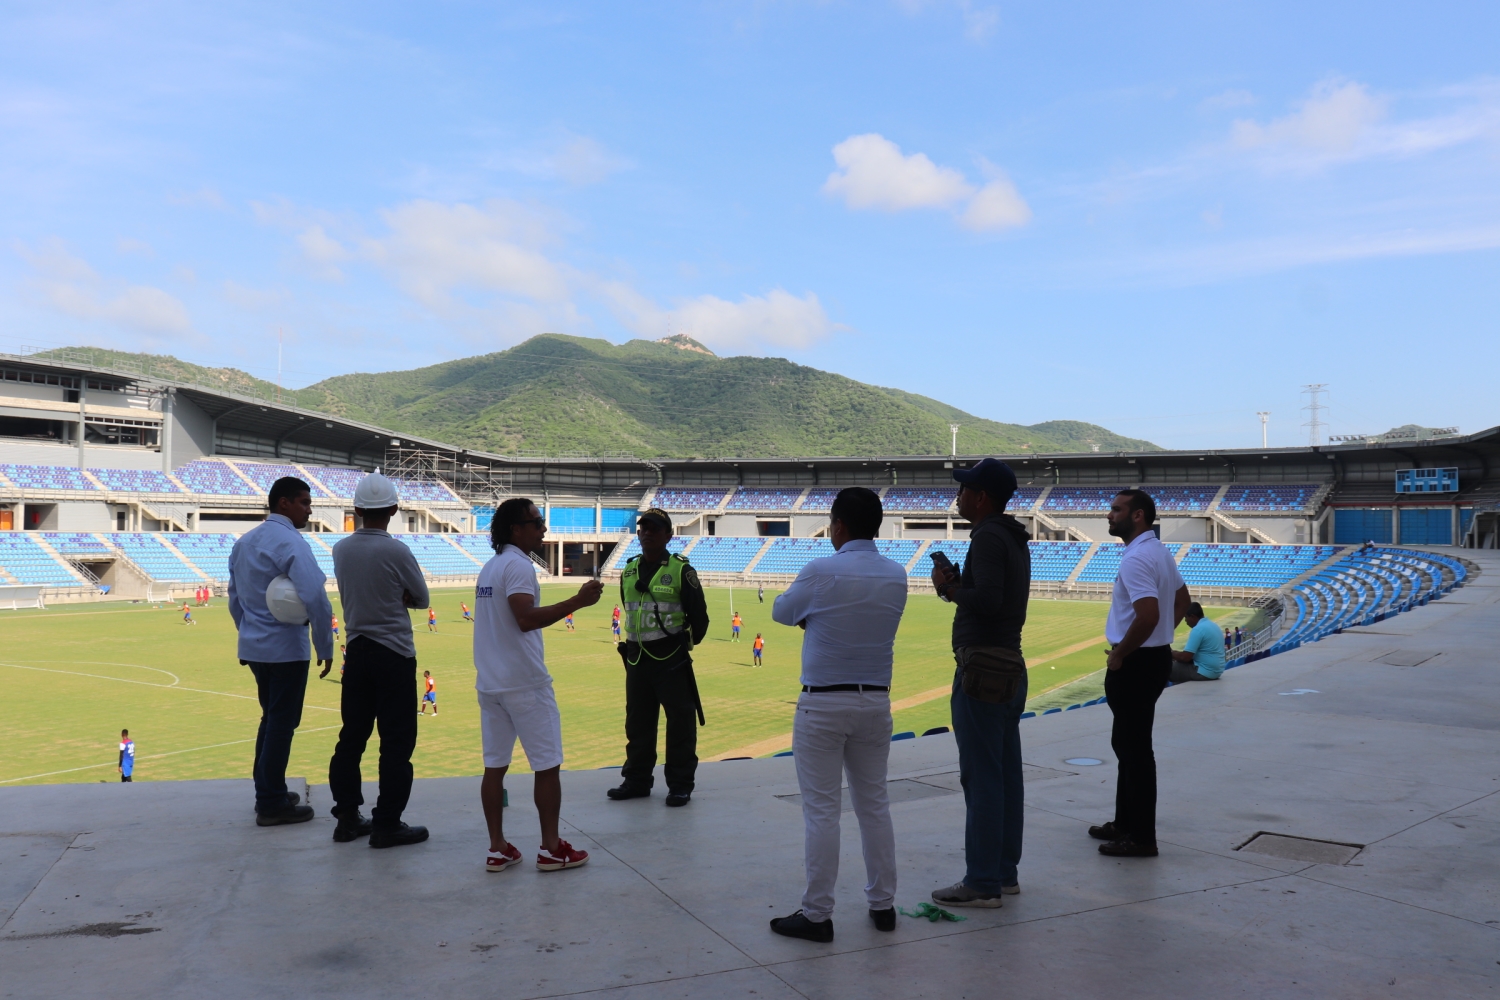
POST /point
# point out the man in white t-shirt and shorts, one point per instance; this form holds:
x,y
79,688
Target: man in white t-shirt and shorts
x,y
1150,598
515,689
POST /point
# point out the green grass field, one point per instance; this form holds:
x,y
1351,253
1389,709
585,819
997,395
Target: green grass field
x,y
76,675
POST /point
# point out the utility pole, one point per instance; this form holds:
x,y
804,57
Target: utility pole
x,y
1265,418
1315,409
278,365
954,429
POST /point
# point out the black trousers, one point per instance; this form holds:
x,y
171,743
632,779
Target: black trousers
x,y
1132,692
280,688
380,688
650,687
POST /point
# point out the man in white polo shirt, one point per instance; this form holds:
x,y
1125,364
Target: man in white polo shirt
x,y
850,603
1149,600
515,689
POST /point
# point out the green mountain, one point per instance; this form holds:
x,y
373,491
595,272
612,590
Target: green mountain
x,y
674,398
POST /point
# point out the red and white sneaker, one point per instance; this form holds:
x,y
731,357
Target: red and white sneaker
x,y
498,861
563,857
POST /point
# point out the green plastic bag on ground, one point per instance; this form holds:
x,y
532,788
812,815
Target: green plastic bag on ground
x,y
933,913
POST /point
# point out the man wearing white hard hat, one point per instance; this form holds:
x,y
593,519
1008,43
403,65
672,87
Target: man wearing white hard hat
x,y
379,579
275,592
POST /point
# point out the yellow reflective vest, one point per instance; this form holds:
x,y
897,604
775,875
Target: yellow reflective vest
x,y
657,612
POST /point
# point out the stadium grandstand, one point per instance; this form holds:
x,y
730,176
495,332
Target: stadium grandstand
x,y
115,484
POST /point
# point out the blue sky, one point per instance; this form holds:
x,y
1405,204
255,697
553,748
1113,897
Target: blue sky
x,y
1161,219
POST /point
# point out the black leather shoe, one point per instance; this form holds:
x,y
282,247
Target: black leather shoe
x,y
798,926
1127,849
623,792
291,814
1107,832
293,799
884,920
397,836
351,826
679,798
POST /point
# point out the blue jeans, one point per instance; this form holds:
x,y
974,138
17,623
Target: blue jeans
x,y
989,768
280,687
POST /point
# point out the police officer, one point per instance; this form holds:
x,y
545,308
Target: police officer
x,y
665,617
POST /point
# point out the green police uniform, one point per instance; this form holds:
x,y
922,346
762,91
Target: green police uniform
x,y
665,615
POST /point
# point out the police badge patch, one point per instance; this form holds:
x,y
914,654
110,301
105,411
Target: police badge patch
x,y
666,579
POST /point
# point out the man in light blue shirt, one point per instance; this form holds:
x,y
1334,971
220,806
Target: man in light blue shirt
x,y
277,652
850,604
1202,657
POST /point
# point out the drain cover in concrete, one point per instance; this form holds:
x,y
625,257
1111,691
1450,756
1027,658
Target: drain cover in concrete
x,y
1406,657
1318,852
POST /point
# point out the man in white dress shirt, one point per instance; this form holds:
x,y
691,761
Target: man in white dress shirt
x,y
1149,600
850,604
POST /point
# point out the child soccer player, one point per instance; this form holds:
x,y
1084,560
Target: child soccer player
x,y
568,621
756,647
431,694
187,614
615,628
127,756
431,620
335,628
734,627
468,615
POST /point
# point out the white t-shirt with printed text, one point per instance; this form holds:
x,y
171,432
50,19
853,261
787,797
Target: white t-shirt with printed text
x,y
1146,570
505,658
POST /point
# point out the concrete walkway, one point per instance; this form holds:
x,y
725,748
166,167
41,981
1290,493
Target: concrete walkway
x,y
169,890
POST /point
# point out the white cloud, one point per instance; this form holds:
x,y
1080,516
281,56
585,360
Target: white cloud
x,y
577,159
1333,119
134,248
997,205
323,252
581,160
71,286
435,249
777,319
874,174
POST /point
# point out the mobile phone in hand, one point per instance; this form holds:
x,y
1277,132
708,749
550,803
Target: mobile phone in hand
x,y
941,561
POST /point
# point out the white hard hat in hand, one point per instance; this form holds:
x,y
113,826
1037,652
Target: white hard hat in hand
x,y
284,604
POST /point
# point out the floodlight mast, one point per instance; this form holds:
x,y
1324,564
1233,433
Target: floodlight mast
x,y
1315,409
954,429
1265,418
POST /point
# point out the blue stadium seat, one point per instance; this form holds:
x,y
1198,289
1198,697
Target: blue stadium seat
x,y
47,477
690,499
777,498
214,478
135,480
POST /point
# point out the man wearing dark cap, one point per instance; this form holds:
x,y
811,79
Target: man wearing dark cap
x,y
989,688
665,617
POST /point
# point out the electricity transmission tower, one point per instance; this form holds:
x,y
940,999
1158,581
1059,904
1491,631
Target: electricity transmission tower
x,y
1315,408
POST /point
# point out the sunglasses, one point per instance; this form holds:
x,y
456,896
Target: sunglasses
x,y
540,522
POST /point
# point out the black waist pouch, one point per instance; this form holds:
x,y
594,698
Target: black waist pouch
x,y
990,674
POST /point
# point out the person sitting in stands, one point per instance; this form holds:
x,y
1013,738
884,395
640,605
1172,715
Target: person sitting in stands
x,y
1202,658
